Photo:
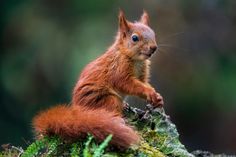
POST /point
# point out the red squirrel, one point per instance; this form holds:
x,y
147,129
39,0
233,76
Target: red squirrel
x,y
97,100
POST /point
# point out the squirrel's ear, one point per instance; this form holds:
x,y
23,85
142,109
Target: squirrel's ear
x,y
123,24
144,18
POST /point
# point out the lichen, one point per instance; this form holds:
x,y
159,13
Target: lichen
x,y
157,130
159,138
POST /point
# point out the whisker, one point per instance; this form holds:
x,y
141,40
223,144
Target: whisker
x,y
164,45
171,35
160,51
175,47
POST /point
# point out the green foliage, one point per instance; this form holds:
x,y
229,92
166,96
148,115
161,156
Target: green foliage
x,y
100,150
86,152
53,146
94,150
75,150
159,138
37,147
34,148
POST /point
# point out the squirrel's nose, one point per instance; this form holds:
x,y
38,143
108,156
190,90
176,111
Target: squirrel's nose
x,y
153,48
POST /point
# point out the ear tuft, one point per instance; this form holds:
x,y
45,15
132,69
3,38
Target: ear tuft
x,y
123,23
144,18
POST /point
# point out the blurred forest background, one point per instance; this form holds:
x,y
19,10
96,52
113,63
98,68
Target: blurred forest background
x,y
46,43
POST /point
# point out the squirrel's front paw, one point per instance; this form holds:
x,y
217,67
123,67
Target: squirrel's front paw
x,y
155,98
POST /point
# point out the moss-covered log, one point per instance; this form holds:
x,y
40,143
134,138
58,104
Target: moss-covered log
x,y
159,138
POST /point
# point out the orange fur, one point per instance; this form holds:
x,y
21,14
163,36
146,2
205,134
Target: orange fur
x,y
72,123
121,71
97,100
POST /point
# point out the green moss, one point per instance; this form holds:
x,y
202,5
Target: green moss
x,y
159,138
150,151
11,151
157,131
75,150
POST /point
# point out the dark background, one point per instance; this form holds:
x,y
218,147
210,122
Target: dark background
x,y
46,43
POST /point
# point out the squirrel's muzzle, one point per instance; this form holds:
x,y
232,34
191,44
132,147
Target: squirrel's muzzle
x,y
152,49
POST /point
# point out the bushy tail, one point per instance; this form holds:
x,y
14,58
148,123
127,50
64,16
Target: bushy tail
x,y
75,122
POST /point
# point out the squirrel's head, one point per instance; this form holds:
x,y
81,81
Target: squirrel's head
x,y
136,39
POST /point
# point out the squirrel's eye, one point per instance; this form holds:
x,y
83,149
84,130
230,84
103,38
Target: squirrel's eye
x,y
135,38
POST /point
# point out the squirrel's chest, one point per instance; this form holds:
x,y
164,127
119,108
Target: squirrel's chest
x,y
139,68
